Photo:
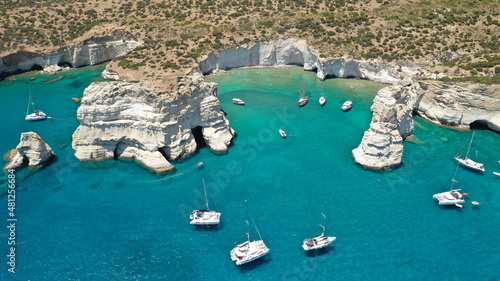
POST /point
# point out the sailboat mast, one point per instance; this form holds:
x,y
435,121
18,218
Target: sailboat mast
x,y
29,101
205,189
453,181
467,155
248,224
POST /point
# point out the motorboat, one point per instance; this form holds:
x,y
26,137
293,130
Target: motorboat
x,y
322,100
282,133
347,105
37,114
206,216
249,251
319,241
238,101
467,162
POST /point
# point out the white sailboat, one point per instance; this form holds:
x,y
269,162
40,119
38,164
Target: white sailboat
x,y
205,217
467,162
249,251
322,100
303,99
37,114
452,197
319,241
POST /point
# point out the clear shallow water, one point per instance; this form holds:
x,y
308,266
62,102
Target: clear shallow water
x,y
117,221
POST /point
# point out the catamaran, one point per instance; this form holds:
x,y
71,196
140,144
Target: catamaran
x,y
467,162
205,217
319,241
303,99
452,197
249,251
37,114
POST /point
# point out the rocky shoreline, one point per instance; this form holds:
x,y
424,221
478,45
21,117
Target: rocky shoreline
x,y
91,51
154,124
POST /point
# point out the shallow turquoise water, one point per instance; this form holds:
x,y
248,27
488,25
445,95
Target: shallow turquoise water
x,y
117,221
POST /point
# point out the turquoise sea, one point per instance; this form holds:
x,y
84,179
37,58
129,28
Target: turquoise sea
x,y
115,220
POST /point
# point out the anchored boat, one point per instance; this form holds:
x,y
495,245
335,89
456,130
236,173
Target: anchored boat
x,y
319,241
37,114
467,162
205,217
249,251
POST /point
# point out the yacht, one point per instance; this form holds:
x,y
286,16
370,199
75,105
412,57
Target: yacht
x,y
319,241
37,114
467,162
238,101
282,133
249,251
205,217
347,105
451,197
322,100
303,99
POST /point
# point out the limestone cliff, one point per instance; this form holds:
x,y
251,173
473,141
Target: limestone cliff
x,y
91,51
297,52
450,104
382,144
457,104
31,149
136,121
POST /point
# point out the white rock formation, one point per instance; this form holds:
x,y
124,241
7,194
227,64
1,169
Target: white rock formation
x,y
127,120
110,75
297,52
458,104
382,144
89,52
31,149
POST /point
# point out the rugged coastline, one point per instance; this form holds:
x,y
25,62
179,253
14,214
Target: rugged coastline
x,y
152,121
90,50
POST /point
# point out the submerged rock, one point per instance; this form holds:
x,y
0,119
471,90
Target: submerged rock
x,y
32,149
150,125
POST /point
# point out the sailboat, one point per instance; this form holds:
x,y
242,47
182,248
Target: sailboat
x,y
322,100
467,162
37,114
249,251
319,241
452,197
205,217
303,99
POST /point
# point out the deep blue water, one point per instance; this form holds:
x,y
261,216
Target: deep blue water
x,y
115,220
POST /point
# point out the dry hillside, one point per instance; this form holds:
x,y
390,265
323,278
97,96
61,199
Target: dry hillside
x,y
456,37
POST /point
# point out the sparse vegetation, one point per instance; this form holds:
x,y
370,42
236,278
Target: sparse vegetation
x,y
460,36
